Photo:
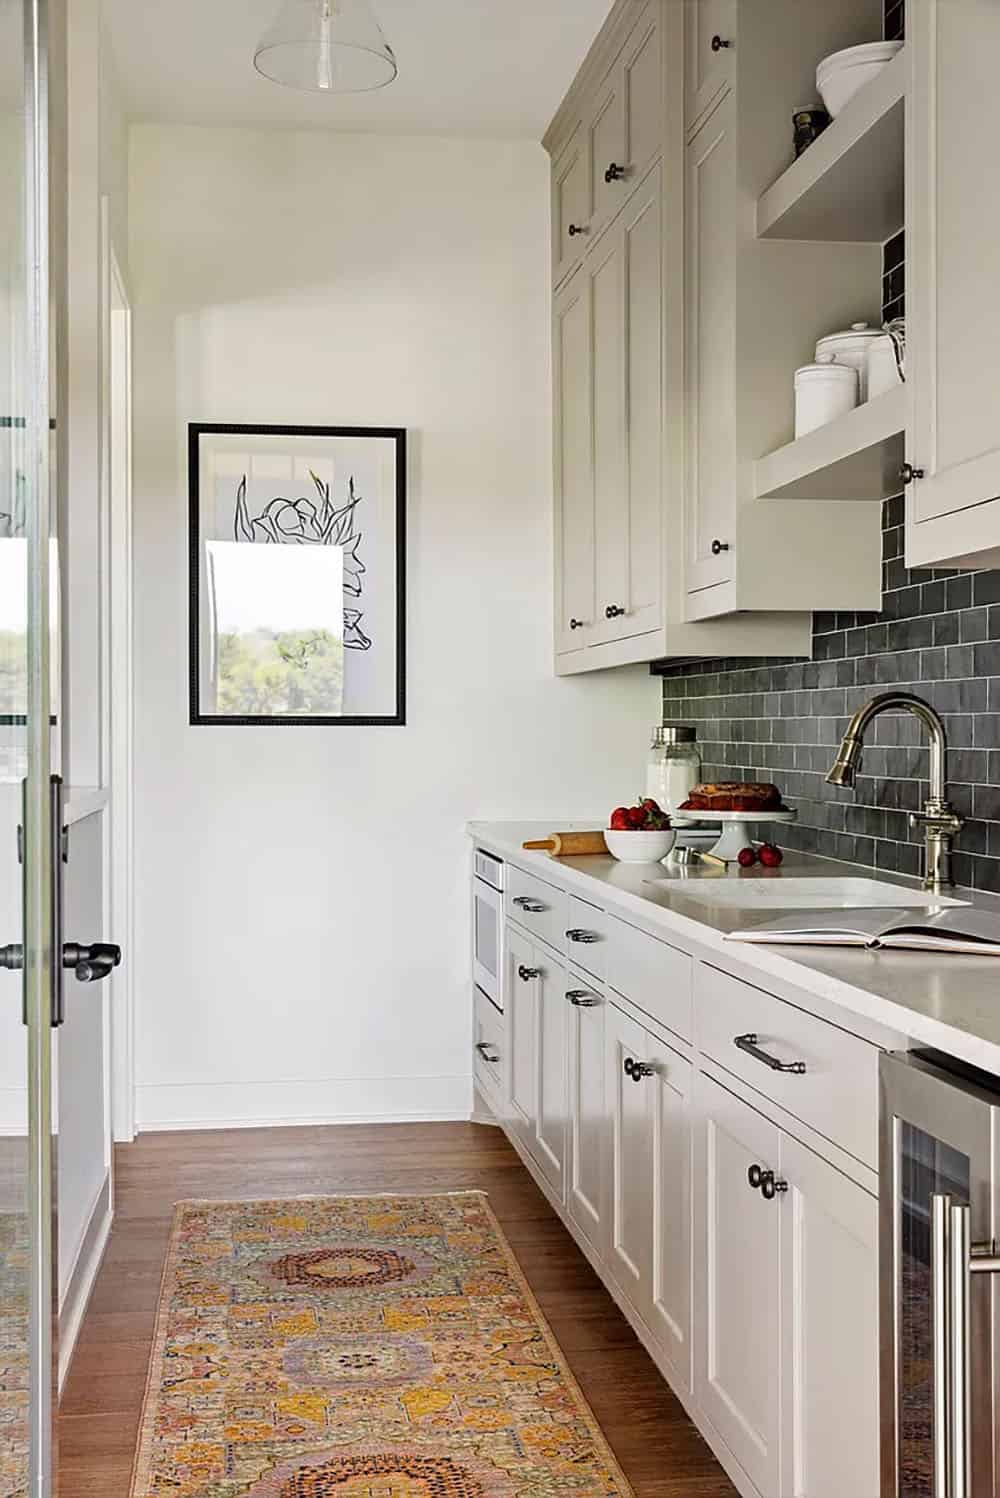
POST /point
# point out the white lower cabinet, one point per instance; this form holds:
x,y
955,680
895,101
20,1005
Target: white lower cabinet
x,y
649,1087
736,1281
786,1352
535,1003
745,1258
587,1156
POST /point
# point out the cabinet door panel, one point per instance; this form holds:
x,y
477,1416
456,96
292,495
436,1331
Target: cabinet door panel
x,y
586,1193
607,147
711,292
574,467
829,1309
549,1147
953,210
610,510
736,1281
644,74
631,1210
571,205
629,490
709,70
669,1311
520,1010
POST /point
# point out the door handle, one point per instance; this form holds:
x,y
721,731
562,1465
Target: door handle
x,y
91,964
954,1261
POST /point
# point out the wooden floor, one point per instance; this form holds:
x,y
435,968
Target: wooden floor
x,y
660,1451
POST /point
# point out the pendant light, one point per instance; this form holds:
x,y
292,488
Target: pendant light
x,y
326,46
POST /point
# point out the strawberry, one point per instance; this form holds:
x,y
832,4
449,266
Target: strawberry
x,y
621,820
747,857
771,857
653,806
637,818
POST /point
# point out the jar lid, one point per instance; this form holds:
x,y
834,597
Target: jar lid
x,y
674,733
858,332
826,371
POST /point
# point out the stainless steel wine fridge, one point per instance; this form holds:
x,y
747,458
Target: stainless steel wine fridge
x,y
939,1278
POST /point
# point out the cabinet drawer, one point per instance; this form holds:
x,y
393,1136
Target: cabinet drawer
x,y
656,977
836,1094
539,907
586,936
488,1049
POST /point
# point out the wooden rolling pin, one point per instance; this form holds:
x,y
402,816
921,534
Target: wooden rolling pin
x,y
570,844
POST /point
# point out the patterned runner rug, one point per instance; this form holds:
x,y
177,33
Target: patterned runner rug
x,y
358,1347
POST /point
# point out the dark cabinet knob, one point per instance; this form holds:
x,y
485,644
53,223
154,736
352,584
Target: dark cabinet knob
x,y
614,173
91,964
718,547
641,1070
908,473
720,43
770,1187
755,1175
629,1066
526,974
576,623
575,229
613,611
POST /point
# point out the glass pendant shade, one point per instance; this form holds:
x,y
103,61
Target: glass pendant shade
x,y
327,47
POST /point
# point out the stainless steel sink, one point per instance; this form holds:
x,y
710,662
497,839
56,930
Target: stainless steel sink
x,y
778,892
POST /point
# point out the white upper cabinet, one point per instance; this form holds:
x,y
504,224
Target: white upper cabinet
x,y
572,205
953,311
574,464
710,49
710,273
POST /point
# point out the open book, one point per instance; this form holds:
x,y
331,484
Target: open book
x,y
958,929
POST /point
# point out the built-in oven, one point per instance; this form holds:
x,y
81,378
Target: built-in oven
x,y
487,925
939,1278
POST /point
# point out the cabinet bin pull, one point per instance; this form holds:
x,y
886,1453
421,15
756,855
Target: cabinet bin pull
x,y
586,938
529,906
748,1043
488,1052
581,999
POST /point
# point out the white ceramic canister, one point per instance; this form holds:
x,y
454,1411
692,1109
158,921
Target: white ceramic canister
x,y
851,348
883,367
823,391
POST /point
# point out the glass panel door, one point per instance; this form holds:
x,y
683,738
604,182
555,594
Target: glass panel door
x,y
26,708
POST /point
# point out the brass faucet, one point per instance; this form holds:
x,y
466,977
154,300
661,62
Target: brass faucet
x,y
940,821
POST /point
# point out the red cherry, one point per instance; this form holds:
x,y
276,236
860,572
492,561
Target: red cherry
x,y
746,858
771,857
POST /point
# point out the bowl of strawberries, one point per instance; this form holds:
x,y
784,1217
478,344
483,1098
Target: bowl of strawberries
x,y
640,833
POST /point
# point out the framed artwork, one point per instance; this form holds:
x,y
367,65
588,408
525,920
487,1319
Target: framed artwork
x,y
298,575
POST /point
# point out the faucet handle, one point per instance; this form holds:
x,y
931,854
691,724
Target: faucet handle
x,y
938,816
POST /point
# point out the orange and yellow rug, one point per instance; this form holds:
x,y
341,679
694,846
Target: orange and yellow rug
x,y
358,1347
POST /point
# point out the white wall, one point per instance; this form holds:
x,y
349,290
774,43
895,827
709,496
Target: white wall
x,y
303,893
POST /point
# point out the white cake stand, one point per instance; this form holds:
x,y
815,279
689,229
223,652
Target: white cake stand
x,y
734,827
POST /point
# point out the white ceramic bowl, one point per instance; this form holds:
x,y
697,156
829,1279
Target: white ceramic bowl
x,y
840,76
640,847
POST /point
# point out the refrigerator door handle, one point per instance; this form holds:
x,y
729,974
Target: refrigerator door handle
x,y
953,1263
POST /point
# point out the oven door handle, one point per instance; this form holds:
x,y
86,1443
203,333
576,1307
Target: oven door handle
x,y
953,1263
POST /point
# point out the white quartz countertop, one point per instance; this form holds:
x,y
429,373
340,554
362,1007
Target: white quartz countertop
x,y
951,1003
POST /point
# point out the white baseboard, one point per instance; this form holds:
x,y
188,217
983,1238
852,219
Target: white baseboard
x,y
82,1277
252,1105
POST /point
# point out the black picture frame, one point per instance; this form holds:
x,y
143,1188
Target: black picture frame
x,y
197,430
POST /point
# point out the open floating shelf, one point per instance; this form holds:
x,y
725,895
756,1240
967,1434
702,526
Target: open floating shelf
x,y
848,186
858,456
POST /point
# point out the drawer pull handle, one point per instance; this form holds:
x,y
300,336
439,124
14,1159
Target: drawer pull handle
x,y
488,1052
526,974
748,1043
581,999
586,938
529,906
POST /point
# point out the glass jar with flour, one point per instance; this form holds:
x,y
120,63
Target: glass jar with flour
x,y
674,766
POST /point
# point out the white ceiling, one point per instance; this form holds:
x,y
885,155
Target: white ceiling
x,y
476,67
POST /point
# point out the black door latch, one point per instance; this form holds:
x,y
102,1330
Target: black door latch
x,y
90,964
